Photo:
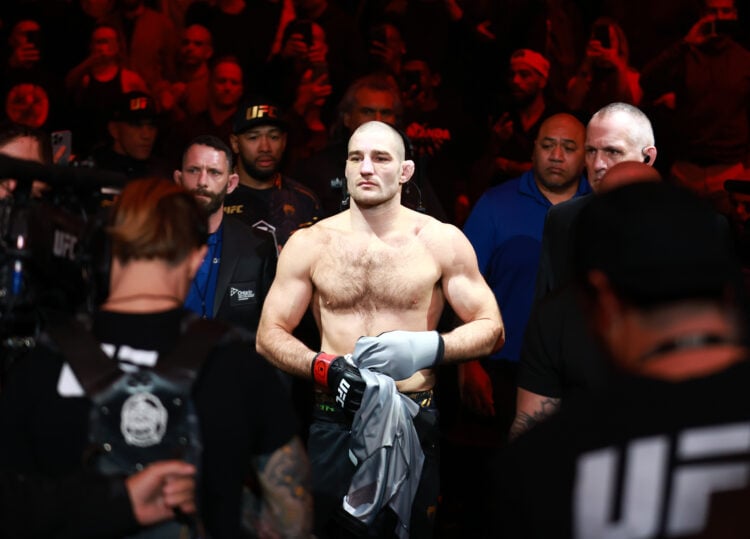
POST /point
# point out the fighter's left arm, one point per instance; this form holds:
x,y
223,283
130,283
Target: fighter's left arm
x,y
482,331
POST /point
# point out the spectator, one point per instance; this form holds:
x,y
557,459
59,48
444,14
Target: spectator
x,y
515,126
299,76
31,90
386,48
445,139
97,85
151,41
225,90
705,80
346,57
604,76
23,142
133,128
191,88
245,29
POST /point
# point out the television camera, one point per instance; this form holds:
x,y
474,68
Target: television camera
x,y
52,248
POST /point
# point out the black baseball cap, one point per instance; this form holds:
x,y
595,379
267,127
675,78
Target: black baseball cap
x,y
257,111
134,107
656,243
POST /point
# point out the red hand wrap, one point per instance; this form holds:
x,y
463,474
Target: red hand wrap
x,y
320,368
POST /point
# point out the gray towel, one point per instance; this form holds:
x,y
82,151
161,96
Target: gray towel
x,y
385,444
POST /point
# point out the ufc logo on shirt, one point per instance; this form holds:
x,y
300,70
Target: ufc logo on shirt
x,y
654,492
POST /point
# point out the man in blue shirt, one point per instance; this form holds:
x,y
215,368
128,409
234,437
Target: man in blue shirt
x,y
505,228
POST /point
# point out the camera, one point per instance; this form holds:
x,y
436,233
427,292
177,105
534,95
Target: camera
x,y
52,249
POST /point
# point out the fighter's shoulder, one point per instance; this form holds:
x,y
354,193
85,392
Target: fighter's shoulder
x,y
436,234
317,233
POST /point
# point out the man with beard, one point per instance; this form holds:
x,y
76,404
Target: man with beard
x,y
516,126
265,197
236,273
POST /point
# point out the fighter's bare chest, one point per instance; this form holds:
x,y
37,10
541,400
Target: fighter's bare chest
x,y
370,276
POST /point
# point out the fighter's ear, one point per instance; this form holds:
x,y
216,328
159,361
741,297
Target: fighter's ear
x,y
407,170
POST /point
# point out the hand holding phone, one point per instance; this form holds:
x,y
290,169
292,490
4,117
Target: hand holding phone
x,y
62,142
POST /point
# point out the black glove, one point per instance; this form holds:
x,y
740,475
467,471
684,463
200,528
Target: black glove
x,y
343,380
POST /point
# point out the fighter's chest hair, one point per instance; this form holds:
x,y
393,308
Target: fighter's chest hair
x,y
372,273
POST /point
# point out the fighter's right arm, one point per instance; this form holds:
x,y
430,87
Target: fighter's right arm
x,y
286,303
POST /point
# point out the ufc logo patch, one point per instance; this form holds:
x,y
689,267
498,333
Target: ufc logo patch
x,y
342,390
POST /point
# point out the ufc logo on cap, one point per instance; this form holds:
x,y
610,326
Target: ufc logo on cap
x,y
261,111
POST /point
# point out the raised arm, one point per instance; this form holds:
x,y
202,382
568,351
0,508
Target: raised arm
x,y
285,304
284,478
470,297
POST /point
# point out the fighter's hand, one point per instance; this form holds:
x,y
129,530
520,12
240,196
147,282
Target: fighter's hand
x,y
475,388
161,488
399,354
342,379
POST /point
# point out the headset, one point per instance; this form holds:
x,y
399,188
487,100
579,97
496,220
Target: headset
x,y
410,153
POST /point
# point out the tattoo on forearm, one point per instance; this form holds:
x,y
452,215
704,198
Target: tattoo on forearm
x,y
524,421
284,476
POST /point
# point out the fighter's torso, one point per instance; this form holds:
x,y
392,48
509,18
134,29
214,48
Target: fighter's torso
x,y
366,284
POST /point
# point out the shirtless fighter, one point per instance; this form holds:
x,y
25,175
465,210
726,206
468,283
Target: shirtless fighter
x,y
376,277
